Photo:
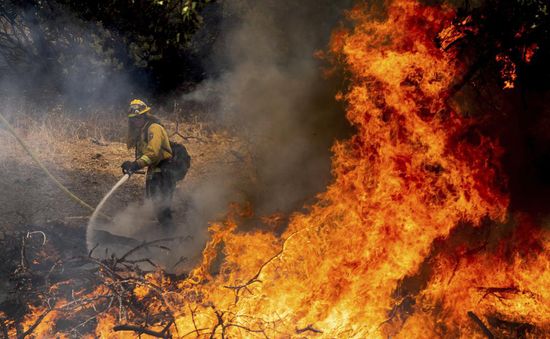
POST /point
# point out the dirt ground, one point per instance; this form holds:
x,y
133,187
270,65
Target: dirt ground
x,y
89,167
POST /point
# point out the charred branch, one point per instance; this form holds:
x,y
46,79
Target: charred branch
x,y
141,330
195,331
512,329
501,292
192,311
142,246
225,324
35,325
4,328
220,323
308,328
238,288
481,325
51,285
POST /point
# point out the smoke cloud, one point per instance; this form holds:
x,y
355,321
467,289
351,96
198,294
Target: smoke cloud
x,y
266,85
50,57
269,88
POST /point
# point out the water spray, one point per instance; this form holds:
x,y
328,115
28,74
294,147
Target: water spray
x,y
97,210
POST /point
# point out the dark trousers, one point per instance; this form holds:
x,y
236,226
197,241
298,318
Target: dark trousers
x,y
159,187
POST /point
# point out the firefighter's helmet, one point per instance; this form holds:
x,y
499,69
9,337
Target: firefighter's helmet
x,y
137,107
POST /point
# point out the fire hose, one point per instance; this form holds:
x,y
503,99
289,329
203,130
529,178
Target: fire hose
x,y
50,175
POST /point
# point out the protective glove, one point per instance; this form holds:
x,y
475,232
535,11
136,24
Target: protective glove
x,y
129,167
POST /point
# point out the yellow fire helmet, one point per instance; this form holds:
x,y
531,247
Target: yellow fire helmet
x,y
137,107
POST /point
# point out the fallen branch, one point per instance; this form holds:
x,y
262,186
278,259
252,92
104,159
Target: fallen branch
x,y
194,331
514,329
219,316
4,328
182,136
74,330
193,319
150,243
71,305
225,325
119,276
308,328
499,292
142,330
35,325
92,250
245,328
481,325
238,288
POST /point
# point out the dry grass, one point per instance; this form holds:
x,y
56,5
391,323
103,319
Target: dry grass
x,y
85,154
57,125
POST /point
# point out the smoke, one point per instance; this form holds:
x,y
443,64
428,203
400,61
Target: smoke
x,y
53,66
266,85
52,57
177,249
269,88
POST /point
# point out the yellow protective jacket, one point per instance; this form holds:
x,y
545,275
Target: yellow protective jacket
x,y
152,147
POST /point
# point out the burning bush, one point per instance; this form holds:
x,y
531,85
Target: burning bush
x,y
408,240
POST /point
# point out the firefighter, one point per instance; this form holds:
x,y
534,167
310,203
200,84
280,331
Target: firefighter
x,y
152,148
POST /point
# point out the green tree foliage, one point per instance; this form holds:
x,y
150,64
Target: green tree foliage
x,y
60,42
153,29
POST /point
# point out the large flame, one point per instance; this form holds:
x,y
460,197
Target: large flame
x,y
415,169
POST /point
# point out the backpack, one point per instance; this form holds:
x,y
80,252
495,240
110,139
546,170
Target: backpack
x,y
178,165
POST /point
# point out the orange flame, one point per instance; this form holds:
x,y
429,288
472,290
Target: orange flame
x,y
412,172
415,169
508,70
